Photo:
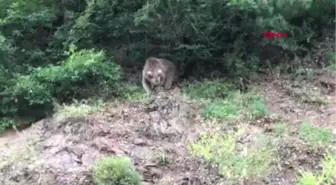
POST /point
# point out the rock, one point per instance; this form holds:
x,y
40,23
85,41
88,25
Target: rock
x,y
139,141
63,161
89,158
55,140
79,149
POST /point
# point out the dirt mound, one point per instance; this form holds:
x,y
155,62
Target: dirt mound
x,y
154,135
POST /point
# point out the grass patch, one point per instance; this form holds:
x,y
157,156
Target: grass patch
x,y
221,110
326,176
315,136
251,162
235,106
279,128
133,92
206,89
77,108
258,106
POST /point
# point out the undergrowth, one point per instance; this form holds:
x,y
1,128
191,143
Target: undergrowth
x,y
315,136
327,175
223,101
78,108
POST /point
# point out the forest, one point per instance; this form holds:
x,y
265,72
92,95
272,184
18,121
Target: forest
x,y
81,61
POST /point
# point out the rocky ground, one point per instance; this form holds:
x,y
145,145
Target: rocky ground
x,y
155,133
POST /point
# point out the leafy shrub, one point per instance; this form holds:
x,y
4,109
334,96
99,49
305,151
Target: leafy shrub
x,y
29,24
27,99
6,53
103,21
6,99
6,123
115,171
82,74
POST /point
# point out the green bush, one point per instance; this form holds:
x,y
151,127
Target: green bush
x,y
229,28
115,171
6,53
26,99
28,25
221,33
82,74
103,21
